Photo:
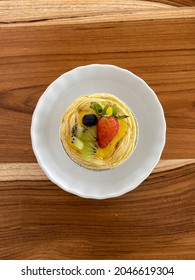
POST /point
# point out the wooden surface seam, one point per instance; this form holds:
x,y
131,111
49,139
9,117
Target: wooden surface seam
x,y
136,15
32,171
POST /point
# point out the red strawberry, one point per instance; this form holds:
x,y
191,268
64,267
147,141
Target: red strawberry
x,y
107,128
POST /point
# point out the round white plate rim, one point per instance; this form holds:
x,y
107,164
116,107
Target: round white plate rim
x,y
144,175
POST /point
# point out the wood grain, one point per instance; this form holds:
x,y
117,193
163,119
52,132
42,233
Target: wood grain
x,y
40,41
154,221
40,54
18,11
32,171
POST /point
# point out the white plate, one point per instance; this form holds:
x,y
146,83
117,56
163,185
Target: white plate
x,y
48,149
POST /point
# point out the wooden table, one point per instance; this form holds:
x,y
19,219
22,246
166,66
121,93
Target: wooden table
x,y
156,41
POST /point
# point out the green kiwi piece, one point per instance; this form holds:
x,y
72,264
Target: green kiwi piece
x,y
77,131
77,142
89,134
89,150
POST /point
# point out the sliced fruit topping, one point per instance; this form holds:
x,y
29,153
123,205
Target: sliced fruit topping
x,y
107,128
77,143
104,128
108,150
89,120
89,150
108,123
84,140
77,131
89,134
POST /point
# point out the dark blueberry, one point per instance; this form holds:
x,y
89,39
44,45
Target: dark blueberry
x,y
89,120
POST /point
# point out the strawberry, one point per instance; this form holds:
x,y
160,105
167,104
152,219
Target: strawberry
x,y
108,124
107,128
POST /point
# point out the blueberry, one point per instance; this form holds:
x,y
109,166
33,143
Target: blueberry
x,y
89,120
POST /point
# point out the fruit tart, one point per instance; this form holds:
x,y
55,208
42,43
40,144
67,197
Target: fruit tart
x,y
98,131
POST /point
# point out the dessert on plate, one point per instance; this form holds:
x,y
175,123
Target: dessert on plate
x,y
98,131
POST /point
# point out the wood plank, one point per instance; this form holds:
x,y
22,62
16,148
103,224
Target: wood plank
x,y
33,172
33,56
118,16
154,221
42,10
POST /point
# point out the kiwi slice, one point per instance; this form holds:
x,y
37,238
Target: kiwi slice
x,y
89,150
89,134
85,140
77,142
77,131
